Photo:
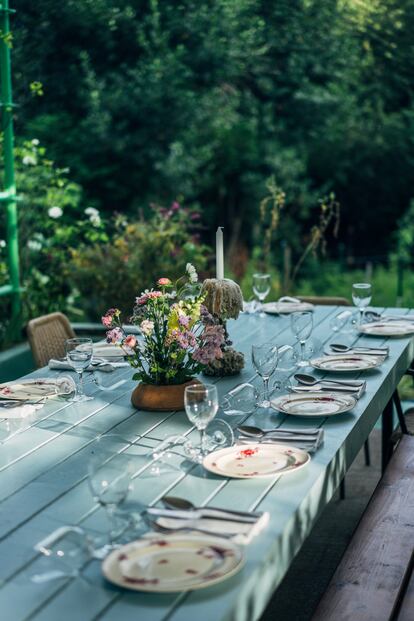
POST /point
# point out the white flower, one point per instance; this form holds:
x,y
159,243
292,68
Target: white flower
x,y
32,244
192,273
35,142
29,160
2,243
147,327
55,212
94,216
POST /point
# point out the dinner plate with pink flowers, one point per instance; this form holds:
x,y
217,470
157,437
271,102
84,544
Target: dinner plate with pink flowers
x,y
165,564
251,461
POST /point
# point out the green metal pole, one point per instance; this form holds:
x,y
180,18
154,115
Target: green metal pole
x,y
9,194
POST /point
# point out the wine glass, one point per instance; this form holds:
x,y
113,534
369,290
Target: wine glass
x,y
79,355
201,405
264,358
261,287
302,326
110,471
361,296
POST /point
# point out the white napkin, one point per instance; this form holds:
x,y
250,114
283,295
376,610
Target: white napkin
x,y
107,350
63,365
306,440
20,411
240,532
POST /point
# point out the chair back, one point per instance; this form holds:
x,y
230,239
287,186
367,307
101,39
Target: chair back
x,y
47,335
324,300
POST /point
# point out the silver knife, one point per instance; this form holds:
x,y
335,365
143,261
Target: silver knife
x,y
215,514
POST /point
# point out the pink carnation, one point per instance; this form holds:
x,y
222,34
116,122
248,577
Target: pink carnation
x,y
163,282
143,299
106,320
130,341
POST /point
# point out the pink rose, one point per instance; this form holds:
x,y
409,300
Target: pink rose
x,y
163,282
106,320
130,341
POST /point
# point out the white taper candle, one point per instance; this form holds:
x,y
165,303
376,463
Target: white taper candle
x,y
219,254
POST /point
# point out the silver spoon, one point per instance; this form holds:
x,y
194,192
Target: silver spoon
x,y
310,380
256,432
339,347
182,504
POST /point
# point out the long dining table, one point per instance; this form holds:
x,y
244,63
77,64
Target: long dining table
x,y
43,485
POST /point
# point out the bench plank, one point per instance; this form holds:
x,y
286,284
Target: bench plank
x,y
367,583
407,607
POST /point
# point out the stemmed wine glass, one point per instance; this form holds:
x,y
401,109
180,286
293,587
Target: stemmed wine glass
x,y
201,405
361,296
264,358
109,477
79,355
261,287
302,326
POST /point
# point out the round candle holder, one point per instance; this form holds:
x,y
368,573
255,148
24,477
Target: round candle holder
x,y
224,300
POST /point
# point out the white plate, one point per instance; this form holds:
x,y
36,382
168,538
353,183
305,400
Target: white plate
x,y
314,404
31,389
392,328
347,362
250,461
170,563
280,308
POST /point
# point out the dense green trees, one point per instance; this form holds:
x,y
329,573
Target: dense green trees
x,y
147,100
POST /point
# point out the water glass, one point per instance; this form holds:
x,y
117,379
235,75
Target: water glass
x,y
67,550
79,355
110,472
287,364
241,399
201,405
264,358
302,326
361,296
261,287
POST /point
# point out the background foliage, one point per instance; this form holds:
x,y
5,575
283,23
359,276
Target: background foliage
x,y
148,100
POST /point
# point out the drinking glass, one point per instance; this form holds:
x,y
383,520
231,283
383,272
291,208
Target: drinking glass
x,y
109,477
264,358
79,355
201,405
302,326
361,296
67,550
241,399
261,287
287,364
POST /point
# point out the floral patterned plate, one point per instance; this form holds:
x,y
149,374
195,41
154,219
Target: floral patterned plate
x,y
183,562
392,328
347,362
33,389
314,404
250,461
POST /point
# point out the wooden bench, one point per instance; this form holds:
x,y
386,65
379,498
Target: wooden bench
x,y
375,581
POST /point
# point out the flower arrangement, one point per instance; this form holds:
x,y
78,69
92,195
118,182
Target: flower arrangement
x,y
179,336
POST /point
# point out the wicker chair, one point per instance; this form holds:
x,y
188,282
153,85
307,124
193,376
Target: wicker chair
x,y
47,335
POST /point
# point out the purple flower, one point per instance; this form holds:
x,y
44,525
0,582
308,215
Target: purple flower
x,y
114,336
